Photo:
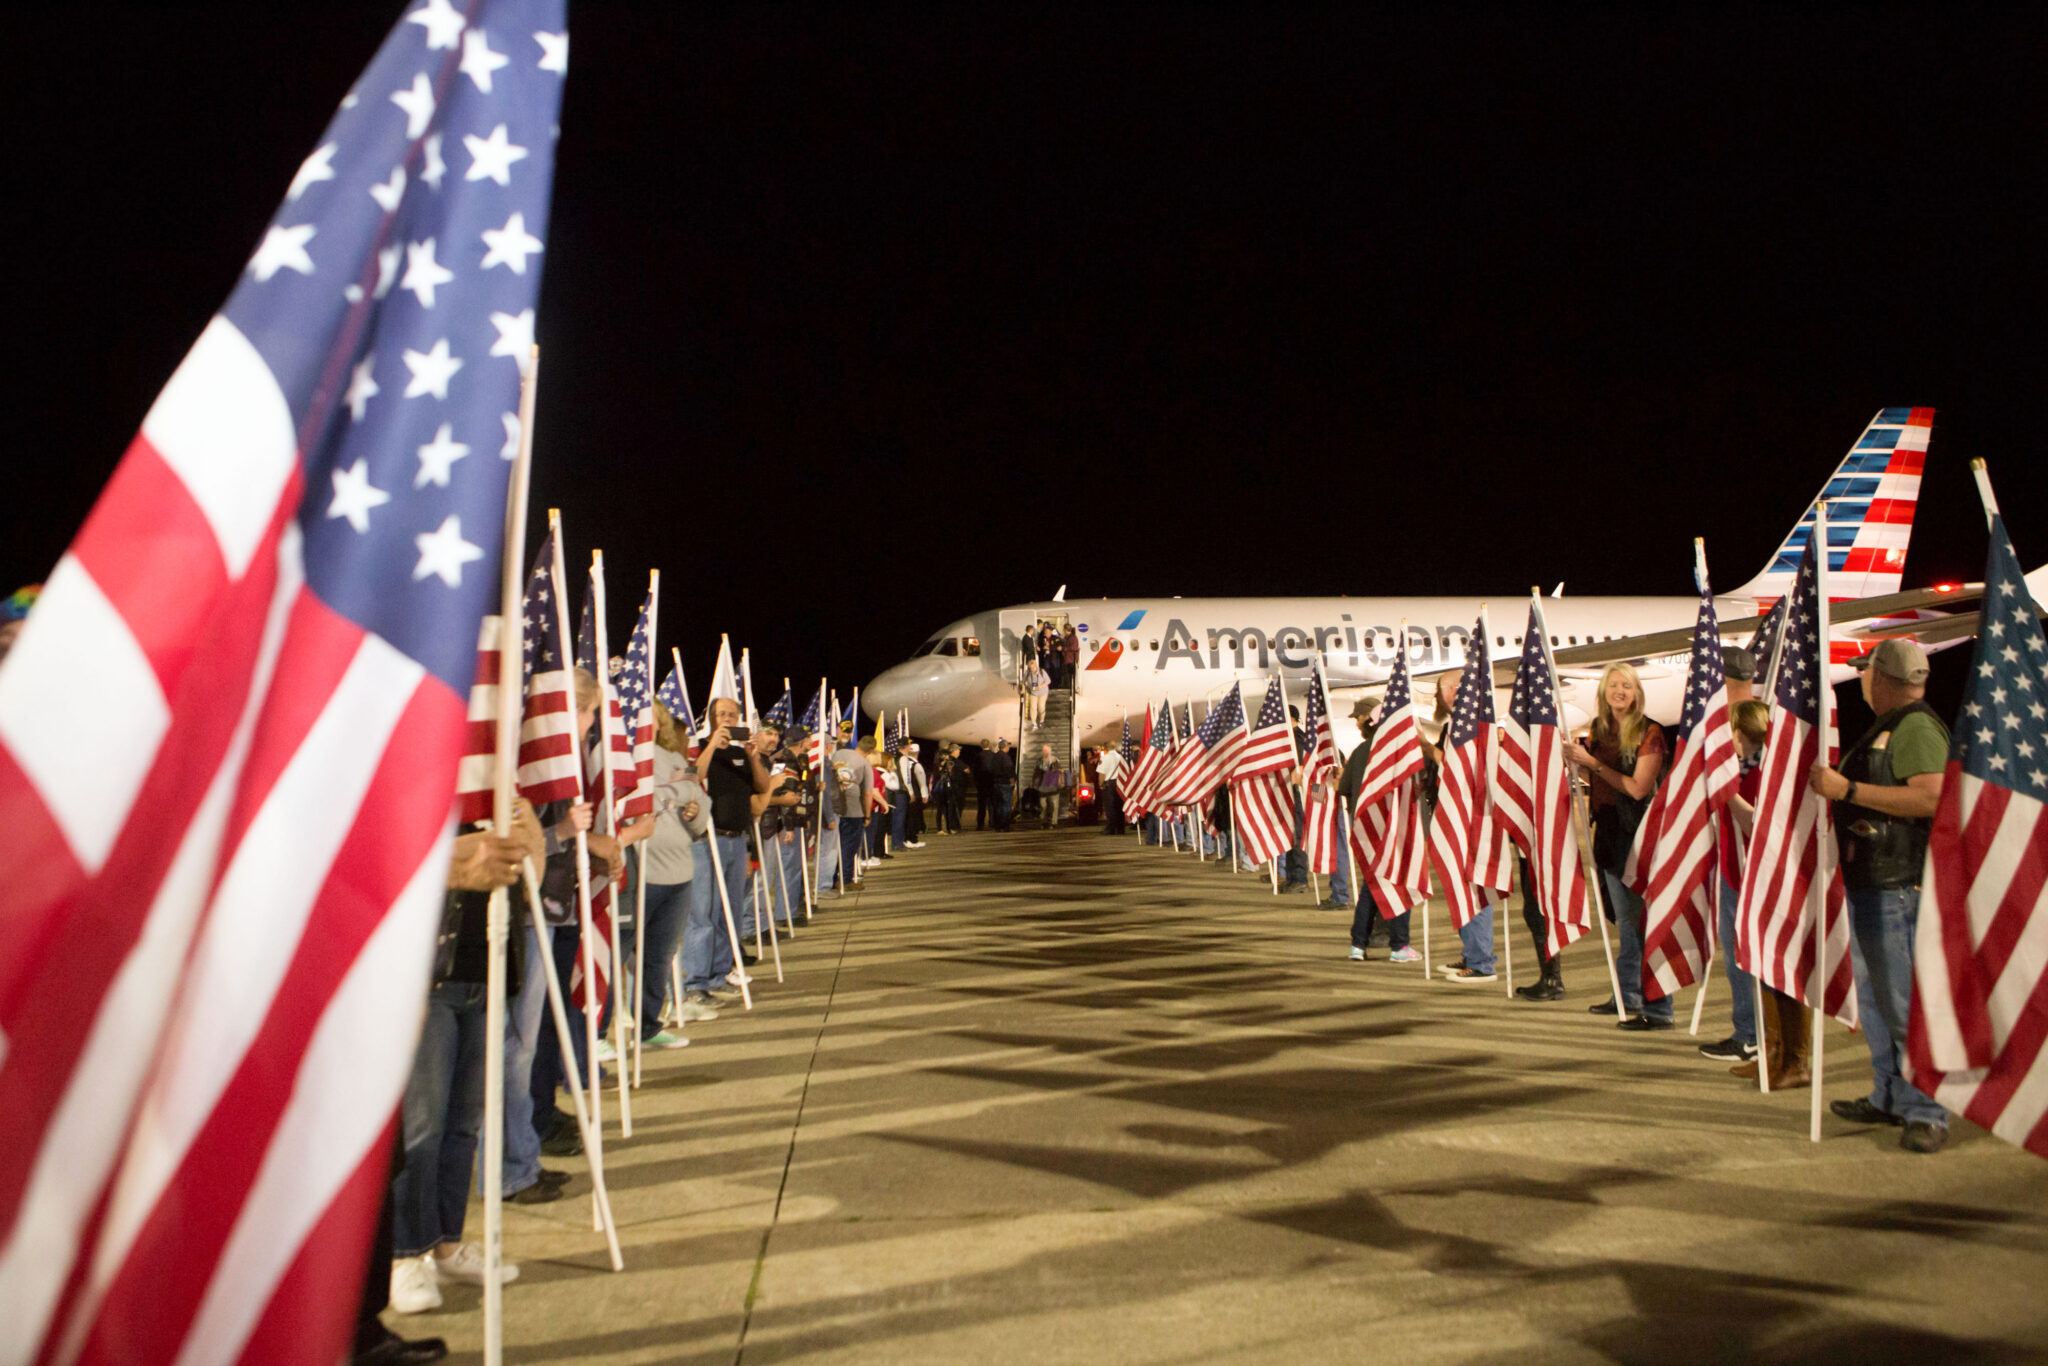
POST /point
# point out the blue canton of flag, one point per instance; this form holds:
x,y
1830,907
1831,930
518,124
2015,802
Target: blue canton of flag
x,y
1800,663
1764,644
2002,735
1709,674
1533,702
586,639
1225,717
779,714
633,680
814,712
542,623
1474,707
1128,747
393,299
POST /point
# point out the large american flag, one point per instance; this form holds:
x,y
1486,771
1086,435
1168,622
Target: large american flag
x,y
476,775
1388,823
229,734
1209,762
1535,796
636,707
1321,807
1466,838
1980,975
1673,859
1157,751
1262,810
549,768
1791,930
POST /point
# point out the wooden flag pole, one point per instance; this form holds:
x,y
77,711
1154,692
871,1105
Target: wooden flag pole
x,y
593,1145
760,882
595,1151
612,827
731,927
639,988
498,917
1699,998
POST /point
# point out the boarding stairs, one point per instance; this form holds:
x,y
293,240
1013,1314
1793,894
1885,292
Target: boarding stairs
x,y
1056,730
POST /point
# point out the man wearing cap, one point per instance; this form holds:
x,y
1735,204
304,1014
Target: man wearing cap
x,y
1885,793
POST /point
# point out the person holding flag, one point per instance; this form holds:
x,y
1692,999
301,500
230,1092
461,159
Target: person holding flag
x,y
1467,842
1624,760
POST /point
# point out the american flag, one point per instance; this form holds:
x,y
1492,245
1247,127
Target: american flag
x,y
1466,838
1208,763
674,694
779,714
1792,884
1128,747
1158,750
636,707
1535,795
476,775
1321,807
1764,644
611,718
894,740
1262,797
1270,746
813,720
607,767
1980,996
549,768
1675,846
1387,824
259,645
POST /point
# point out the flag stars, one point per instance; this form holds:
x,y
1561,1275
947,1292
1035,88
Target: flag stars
x,y
418,103
361,389
389,193
282,249
478,61
554,52
510,245
354,496
437,458
431,371
442,23
491,158
515,335
313,170
435,168
443,552
510,450
423,274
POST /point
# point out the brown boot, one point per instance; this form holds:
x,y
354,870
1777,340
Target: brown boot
x,y
1772,1041
1796,1059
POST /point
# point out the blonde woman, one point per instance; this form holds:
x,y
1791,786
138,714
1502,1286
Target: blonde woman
x,y
1624,761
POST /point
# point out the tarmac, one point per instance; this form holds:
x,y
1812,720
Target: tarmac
x,y
1053,1097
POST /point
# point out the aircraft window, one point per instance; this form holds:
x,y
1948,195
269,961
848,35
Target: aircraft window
x,y
1500,640
927,647
1573,639
970,647
948,647
1155,644
1553,640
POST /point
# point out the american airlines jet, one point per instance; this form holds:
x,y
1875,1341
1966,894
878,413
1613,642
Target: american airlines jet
x,y
962,682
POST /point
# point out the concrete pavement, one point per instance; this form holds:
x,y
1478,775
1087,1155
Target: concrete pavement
x,y
1050,1097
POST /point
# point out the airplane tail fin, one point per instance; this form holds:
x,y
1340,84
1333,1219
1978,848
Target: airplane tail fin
x,y
1871,500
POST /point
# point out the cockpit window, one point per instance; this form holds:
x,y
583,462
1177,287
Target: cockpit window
x,y
929,646
948,646
970,646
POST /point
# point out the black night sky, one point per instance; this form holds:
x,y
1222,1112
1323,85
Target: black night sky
x,y
857,320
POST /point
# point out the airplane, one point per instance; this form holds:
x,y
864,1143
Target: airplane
x,y
961,684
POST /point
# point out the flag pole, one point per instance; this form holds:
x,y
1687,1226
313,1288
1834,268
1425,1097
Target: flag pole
x,y
731,928
611,811
593,1143
1581,823
1404,650
498,917
557,1008
640,883
761,896
803,862
1823,871
1500,906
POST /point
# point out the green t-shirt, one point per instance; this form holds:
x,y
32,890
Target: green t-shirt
x,y
1918,745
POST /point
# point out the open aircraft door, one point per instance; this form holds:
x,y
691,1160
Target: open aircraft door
x,y
1010,628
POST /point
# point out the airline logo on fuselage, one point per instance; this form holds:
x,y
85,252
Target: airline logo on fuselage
x,y
1294,647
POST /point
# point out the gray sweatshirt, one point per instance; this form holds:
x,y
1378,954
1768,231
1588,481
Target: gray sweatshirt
x,y
668,849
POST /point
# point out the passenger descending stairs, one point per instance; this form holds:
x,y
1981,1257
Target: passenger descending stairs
x,y
1058,731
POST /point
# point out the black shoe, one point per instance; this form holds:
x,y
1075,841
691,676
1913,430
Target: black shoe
x,y
1643,1024
1326,904
551,1177
563,1142
750,960
1606,1007
1922,1137
539,1193
393,1350
1545,990
1861,1111
1730,1049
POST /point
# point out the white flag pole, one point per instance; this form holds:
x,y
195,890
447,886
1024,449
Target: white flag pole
x,y
1824,863
612,827
1581,823
498,917
761,907
731,928
639,989
593,1150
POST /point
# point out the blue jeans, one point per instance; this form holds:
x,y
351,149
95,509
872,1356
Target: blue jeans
x,y
1477,940
1883,923
1006,801
782,871
707,951
1365,912
1148,829
828,857
850,830
1628,951
550,1074
526,1017
1340,879
899,819
442,1112
1741,986
668,912
1294,868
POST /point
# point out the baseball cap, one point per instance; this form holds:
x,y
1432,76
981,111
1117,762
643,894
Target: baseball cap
x,y
1738,663
1901,658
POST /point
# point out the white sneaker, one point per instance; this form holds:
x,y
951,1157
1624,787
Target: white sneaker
x,y
605,1051
915,844
414,1287
1357,954
739,977
466,1264
696,1006
872,863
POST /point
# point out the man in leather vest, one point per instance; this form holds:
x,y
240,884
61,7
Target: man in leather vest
x,y
1885,794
